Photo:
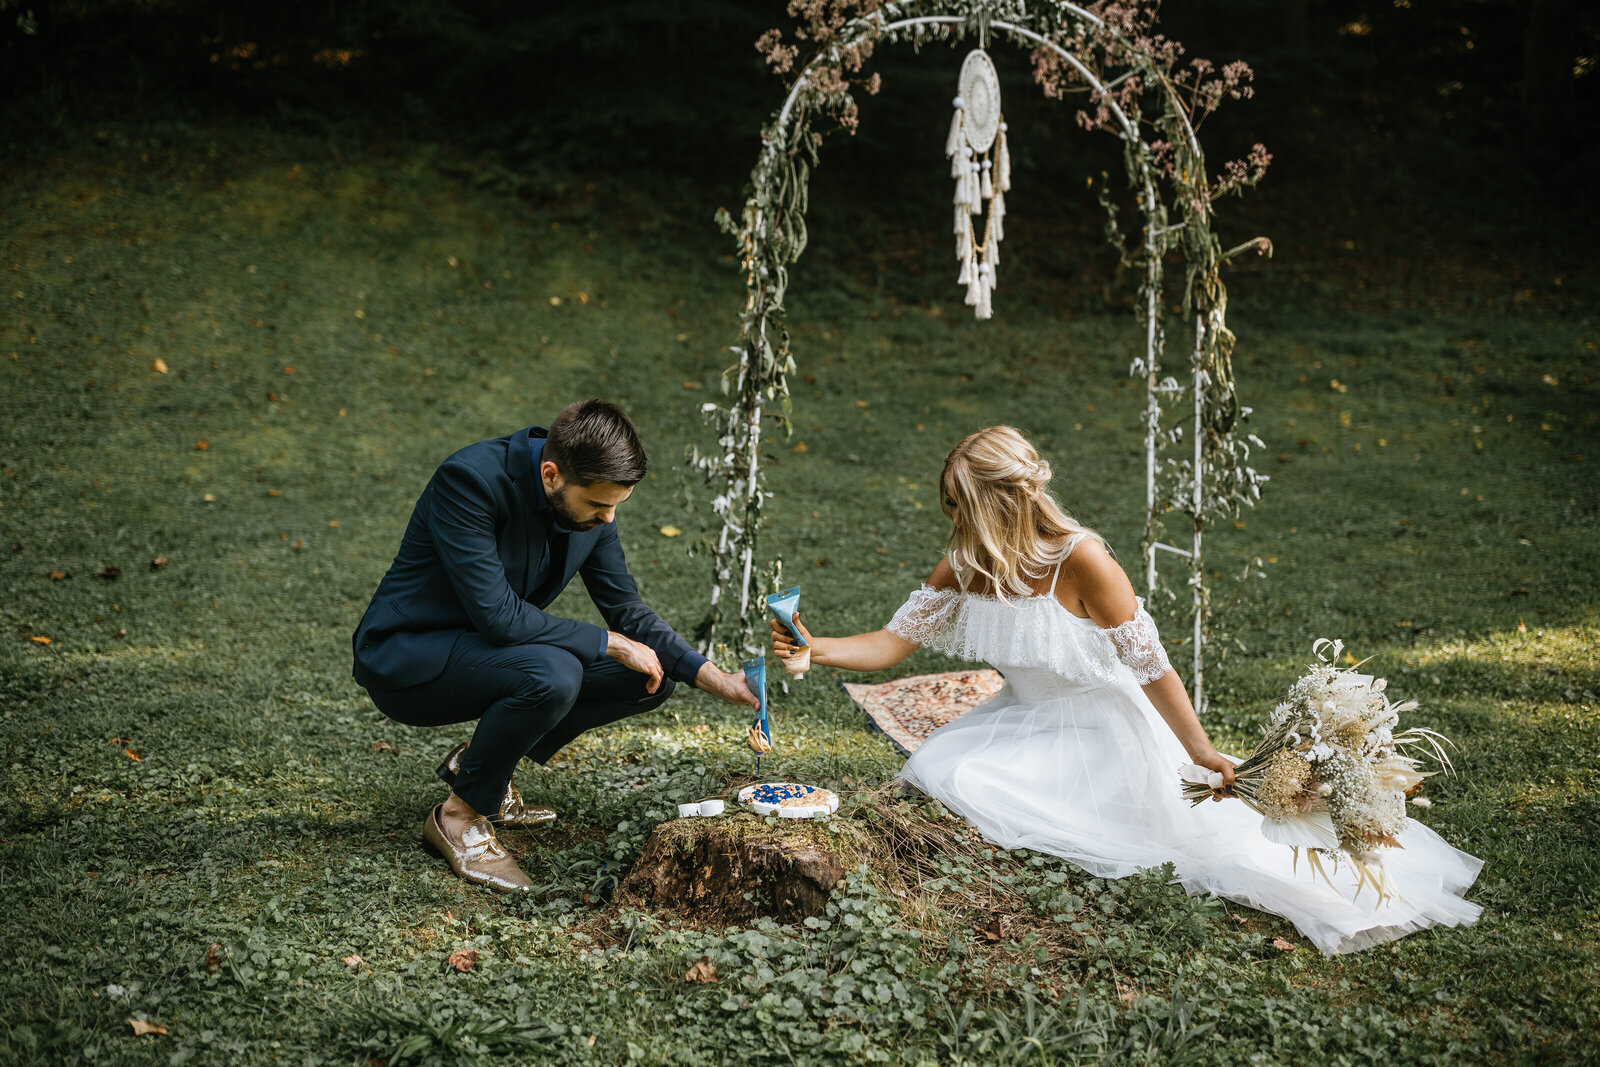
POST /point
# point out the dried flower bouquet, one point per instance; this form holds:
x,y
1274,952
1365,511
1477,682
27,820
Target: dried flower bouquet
x,y
1331,775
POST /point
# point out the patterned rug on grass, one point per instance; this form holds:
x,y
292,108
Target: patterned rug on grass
x,y
907,710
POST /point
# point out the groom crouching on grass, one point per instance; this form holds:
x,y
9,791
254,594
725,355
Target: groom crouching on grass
x,y
457,629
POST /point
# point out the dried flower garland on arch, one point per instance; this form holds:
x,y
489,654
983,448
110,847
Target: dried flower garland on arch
x,y
1136,86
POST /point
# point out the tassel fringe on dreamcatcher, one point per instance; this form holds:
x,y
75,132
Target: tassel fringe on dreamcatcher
x,y
981,168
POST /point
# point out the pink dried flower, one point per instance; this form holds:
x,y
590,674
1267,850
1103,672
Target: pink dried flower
x,y
1054,77
1161,155
857,54
1240,173
1238,76
780,57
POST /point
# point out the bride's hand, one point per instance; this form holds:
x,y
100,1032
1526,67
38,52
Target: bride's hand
x,y
1216,761
783,642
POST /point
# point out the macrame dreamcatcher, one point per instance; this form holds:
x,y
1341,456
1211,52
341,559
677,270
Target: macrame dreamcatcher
x,y
981,175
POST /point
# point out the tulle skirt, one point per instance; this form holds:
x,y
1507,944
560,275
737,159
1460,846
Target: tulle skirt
x,y
1091,775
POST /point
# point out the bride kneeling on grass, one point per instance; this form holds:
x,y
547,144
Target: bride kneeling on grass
x,y
1078,754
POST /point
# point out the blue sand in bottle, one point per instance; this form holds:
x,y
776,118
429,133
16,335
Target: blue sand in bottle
x,y
783,606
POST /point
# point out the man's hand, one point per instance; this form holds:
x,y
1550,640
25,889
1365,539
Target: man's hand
x,y
730,687
635,656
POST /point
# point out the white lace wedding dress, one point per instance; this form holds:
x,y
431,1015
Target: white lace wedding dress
x,y
1071,758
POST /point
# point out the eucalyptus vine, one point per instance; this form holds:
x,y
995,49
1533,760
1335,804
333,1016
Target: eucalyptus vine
x,y
1131,82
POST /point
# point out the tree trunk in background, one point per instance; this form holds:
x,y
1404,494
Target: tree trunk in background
x,y
1547,58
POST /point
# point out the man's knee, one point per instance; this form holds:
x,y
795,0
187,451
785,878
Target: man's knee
x,y
659,697
552,683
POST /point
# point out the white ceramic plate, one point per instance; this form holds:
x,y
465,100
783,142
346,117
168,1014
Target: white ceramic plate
x,y
821,801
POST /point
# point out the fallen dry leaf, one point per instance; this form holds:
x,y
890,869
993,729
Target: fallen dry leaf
x,y
59,576
1126,994
134,755
464,959
274,492
701,728
384,746
202,446
702,971
160,367
39,640
1282,946
993,931
670,531
351,960
214,957
111,573
801,447
145,1026
1522,627
157,563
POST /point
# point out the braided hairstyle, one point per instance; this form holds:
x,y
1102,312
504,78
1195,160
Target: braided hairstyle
x,y
1008,528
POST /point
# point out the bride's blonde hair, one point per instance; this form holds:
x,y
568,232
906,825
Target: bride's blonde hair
x,y
1008,528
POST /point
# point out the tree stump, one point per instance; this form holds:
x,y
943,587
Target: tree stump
x,y
732,870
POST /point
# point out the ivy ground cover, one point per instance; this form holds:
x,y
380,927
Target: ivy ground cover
x,y
230,360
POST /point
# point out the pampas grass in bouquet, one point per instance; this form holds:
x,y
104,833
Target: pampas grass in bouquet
x,y
1331,775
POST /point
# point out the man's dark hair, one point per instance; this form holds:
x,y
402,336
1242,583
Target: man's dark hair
x,y
593,441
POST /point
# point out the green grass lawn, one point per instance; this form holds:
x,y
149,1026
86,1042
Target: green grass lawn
x,y
204,817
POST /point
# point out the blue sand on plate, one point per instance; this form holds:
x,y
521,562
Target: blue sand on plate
x,y
773,793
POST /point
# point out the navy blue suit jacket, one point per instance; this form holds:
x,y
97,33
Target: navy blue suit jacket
x,y
471,561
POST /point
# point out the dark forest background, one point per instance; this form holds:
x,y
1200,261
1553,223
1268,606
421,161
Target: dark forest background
x,y
1460,126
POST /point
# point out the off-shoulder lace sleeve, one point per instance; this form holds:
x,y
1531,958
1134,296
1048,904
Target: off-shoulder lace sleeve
x,y
1138,646
925,615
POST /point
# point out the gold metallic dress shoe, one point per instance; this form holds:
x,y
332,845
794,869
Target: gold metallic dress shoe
x,y
479,858
513,812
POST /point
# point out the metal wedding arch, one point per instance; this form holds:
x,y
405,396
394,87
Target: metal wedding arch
x,y
1207,476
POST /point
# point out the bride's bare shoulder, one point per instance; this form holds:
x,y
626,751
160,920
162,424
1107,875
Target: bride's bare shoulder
x,y
1095,585
1089,555
944,575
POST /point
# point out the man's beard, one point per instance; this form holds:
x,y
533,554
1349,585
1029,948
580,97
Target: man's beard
x,y
564,514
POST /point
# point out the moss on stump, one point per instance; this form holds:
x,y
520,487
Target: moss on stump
x,y
734,869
